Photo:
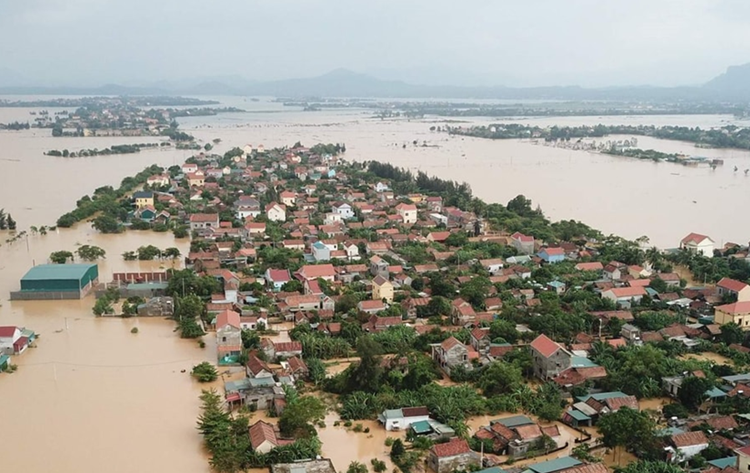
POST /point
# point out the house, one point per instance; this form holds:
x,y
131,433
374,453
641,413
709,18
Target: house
x,y
451,456
288,198
263,437
686,445
321,252
277,278
435,204
743,457
594,266
343,209
737,290
462,313
12,340
143,199
625,296
308,302
737,312
196,179
199,221
282,350
451,354
188,168
494,265
522,243
614,271
228,336
381,187
314,271
276,212
382,289
552,255
253,322
632,334
297,367
378,266
245,207
438,237
257,368
549,358
480,339
371,307
699,244
408,212
319,465
401,419
378,324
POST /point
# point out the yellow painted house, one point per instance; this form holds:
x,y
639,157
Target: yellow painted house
x,y
143,199
382,289
196,179
738,312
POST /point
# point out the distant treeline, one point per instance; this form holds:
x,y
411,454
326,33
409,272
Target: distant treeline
x,y
729,136
114,149
156,101
201,112
413,109
15,126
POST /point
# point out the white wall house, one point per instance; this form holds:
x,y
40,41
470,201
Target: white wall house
x,y
697,243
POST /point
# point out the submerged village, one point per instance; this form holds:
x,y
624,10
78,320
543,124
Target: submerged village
x,y
472,336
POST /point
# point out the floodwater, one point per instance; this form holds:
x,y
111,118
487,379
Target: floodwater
x,y
708,356
93,393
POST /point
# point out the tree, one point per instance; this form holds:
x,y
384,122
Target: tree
x,y
627,428
316,370
475,291
171,252
60,257
180,231
397,450
732,333
500,378
106,224
299,415
148,252
205,372
693,391
103,306
90,252
356,467
366,375
10,223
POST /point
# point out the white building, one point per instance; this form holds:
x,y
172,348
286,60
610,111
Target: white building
x,y
276,212
401,419
697,243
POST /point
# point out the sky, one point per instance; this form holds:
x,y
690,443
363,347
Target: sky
x,y
591,43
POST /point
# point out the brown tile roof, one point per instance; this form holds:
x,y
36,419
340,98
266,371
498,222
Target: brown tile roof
x,y
261,432
415,411
722,423
688,439
528,432
545,345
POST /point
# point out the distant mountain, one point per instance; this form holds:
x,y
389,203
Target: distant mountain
x,y
733,85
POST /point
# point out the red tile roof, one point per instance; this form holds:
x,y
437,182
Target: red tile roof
x,y
688,439
545,345
452,448
521,237
694,238
261,432
731,284
735,308
287,346
415,411
228,317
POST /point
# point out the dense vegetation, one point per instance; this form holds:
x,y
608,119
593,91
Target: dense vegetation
x,y
114,149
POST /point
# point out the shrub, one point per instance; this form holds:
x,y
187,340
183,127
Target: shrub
x,y
205,372
134,330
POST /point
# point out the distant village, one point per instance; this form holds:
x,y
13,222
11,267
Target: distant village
x,y
479,336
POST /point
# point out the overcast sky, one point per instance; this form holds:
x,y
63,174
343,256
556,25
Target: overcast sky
x,y
461,42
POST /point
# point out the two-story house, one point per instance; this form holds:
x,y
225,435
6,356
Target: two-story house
x,y
342,208
228,336
276,212
246,206
450,354
524,244
276,278
143,199
737,290
699,244
408,212
321,252
199,221
382,289
548,357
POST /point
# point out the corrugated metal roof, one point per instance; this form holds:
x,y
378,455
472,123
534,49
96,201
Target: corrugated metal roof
x,y
44,272
554,465
513,421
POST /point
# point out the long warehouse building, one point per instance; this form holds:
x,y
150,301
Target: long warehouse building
x,y
57,281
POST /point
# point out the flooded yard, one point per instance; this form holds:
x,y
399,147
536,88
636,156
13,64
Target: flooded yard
x,y
708,356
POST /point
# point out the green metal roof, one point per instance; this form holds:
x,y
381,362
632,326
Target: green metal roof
x,y
555,465
45,272
578,415
4,359
715,392
494,469
392,414
724,462
581,362
421,427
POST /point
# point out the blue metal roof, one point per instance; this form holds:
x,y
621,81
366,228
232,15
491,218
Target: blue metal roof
x,y
578,415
